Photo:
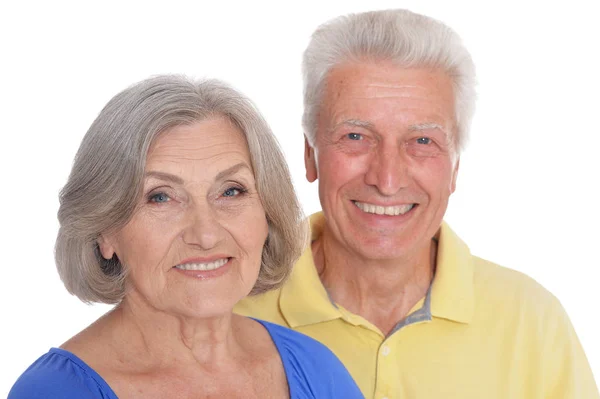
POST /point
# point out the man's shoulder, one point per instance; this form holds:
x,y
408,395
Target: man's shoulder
x,y
505,287
263,306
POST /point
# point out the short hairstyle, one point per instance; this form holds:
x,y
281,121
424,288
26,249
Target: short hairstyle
x,y
106,180
407,39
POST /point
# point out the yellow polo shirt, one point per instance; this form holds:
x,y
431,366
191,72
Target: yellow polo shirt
x,y
482,331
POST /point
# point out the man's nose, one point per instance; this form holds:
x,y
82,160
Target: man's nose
x,y
203,228
388,169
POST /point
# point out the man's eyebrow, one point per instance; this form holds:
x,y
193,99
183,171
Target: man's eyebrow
x,y
369,125
354,122
426,126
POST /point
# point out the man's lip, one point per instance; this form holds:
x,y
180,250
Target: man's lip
x,y
385,204
384,210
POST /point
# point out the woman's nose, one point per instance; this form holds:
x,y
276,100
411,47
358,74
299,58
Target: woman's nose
x,y
203,228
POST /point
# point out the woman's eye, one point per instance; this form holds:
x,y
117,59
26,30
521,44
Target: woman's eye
x,y
424,140
231,192
159,198
354,136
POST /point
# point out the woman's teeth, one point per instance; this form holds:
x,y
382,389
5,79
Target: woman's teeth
x,y
203,266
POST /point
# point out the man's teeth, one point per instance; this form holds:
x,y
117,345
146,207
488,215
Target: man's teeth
x,y
203,266
384,210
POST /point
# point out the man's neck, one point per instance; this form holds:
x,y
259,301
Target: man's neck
x,y
381,291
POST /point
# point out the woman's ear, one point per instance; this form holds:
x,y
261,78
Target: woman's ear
x,y
107,250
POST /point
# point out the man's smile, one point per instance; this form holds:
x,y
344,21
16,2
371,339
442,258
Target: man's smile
x,y
394,210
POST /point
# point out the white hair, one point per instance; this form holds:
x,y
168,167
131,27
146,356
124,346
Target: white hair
x,y
407,39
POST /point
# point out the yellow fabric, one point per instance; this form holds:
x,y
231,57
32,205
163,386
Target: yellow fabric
x,y
494,333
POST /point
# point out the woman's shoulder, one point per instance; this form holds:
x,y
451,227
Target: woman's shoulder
x,y
310,365
298,343
60,374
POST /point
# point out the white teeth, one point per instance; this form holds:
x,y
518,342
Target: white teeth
x,y
203,266
384,210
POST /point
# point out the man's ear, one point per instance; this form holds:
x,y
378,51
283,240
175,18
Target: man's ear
x,y
455,175
107,250
310,161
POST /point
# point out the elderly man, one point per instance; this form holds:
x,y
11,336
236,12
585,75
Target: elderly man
x,y
385,283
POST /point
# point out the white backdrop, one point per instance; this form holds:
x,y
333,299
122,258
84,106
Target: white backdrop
x,y
527,193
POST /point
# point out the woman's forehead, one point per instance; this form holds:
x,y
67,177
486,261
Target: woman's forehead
x,y
202,149
199,140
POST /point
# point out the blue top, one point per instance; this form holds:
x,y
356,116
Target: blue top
x,y
311,369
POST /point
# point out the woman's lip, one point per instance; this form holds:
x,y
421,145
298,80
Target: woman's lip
x,y
208,259
205,274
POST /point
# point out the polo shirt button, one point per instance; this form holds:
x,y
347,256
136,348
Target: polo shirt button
x,y
385,351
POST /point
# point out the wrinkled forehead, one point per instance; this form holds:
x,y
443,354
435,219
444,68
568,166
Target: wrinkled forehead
x,y
376,94
204,144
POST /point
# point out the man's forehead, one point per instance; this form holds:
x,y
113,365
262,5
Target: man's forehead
x,y
381,77
370,94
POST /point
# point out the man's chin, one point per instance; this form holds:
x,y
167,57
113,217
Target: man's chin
x,y
382,251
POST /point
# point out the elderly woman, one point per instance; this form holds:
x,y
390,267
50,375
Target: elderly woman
x,y
179,204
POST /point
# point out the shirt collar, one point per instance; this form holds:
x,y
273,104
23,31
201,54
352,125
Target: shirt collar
x,y
452,293
304,300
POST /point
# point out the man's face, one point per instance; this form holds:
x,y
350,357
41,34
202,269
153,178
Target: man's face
x,y
385,157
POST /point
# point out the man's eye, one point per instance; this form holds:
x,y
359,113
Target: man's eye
x,y
159,198
355,136
424,140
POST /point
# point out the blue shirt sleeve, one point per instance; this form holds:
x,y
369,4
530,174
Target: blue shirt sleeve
x,y
312,370
60,375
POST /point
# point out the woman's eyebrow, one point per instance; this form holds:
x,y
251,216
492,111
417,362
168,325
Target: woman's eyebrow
x,y
178,180
231,170
164,176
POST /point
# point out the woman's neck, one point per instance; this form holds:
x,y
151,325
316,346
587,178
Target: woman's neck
x,y
156,334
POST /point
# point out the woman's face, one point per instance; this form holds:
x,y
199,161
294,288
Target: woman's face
x,y
194,244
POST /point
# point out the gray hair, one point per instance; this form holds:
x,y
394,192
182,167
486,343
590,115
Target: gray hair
x,y
106,180
407,39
